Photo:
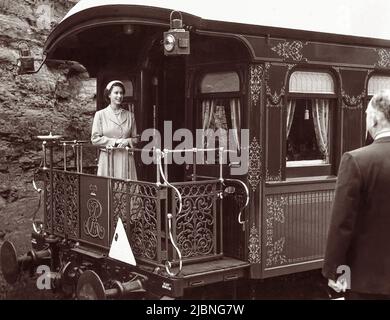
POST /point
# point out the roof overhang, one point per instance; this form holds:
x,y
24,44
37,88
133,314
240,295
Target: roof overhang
x,y
87,14
95,16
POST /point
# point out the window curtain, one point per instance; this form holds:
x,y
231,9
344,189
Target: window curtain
x,y
208,107
290,115
235,113
207,113
214,116
130,107
320,111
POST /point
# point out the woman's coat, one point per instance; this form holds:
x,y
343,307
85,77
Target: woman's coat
x,y
106,129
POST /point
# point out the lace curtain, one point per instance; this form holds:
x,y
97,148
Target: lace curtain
x,y
290,115
320,111
215,115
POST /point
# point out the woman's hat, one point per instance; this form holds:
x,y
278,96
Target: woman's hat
x,y
109,86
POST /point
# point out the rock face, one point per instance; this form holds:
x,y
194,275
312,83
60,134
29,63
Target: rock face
x,y
60,99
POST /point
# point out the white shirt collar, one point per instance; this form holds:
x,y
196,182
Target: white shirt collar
x,y
382,135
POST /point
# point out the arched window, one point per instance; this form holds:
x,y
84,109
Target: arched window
x,y
308,123
219,101
311,82
220,82
128,88
377,83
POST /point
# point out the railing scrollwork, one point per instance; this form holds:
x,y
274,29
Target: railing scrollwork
x,y
242,222
168,264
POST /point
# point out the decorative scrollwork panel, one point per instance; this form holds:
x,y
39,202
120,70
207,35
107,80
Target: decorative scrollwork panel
x,y
256,82
65,219
383,58
48,206
289,50
255,164
196,224
138,207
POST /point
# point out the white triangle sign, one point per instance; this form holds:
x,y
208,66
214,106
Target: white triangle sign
x,y
120,247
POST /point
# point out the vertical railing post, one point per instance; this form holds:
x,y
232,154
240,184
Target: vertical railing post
x,y
81,158
157,152
127,165
64,146
108,161
166,164
194,154
220,218
173,212
44,154
51,184
76,152
220,164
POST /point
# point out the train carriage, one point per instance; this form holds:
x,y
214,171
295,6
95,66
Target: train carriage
x,y
300,96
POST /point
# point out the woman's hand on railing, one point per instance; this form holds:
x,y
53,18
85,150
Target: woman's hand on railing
x,y
127,142
122,143
133,141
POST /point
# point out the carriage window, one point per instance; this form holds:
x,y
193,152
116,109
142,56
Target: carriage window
x,y
222,114
307,131
220,82
220,105
377,83
309,124
129,88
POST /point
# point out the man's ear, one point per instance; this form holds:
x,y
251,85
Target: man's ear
x,y
375,118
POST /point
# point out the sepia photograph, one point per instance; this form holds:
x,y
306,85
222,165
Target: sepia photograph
x,y
212,153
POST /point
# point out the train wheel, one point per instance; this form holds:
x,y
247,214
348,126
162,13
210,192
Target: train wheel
x,y
90,287
9,262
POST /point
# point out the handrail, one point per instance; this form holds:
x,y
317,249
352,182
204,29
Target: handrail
x,y
168,264
35,228
247,198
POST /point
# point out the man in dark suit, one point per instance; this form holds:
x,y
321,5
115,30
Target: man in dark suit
x,y
359,234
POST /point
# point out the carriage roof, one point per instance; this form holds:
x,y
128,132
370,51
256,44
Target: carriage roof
x,y
229,18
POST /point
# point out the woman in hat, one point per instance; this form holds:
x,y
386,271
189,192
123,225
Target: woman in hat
x,y
115,127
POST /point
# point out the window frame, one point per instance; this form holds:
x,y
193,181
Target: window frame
x,y
311,170
198,96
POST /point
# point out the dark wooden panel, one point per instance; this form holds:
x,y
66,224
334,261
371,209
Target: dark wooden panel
x,y
296,225
276,75
352,129
233,232
353,96
298,50
94,211
274,147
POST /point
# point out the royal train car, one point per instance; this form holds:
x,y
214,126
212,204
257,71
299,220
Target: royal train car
x,y
300,95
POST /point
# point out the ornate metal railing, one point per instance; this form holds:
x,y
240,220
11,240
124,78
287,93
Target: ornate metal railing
x,y
198,227
167,224
138,205
143,208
